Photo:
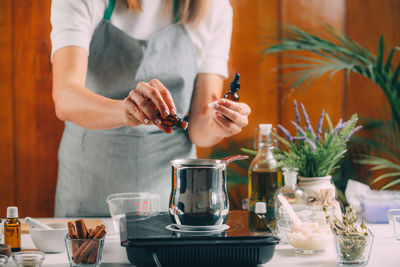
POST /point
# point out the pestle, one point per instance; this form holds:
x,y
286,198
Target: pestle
x,y
36,224
292,214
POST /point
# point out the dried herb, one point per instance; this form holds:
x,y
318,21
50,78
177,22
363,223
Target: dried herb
x,y
351,237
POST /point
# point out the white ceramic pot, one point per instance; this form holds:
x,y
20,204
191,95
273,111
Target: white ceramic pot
x,y
320,191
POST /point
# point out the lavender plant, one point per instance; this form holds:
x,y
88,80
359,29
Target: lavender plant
x,y
315,153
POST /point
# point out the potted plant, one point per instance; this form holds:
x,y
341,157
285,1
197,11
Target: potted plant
x,y
339,52
353,242
316,154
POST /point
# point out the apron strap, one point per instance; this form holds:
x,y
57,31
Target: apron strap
x,y
177,16
109,10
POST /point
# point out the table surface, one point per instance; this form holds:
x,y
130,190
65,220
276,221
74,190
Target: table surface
x,y
385,252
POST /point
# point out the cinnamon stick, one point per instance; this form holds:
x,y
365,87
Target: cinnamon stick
x,y
73,235
71,231
94,253
81,229
90,245
91,233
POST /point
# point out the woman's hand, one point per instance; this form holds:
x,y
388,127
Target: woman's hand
x,y
230,117
143,103
205,128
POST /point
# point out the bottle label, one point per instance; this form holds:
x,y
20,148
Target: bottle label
x,y
261,207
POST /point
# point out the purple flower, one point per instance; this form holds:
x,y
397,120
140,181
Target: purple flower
x,y
307,119
298,128
319,126
356,129
296,112
286,132
311,143
338,126
299,138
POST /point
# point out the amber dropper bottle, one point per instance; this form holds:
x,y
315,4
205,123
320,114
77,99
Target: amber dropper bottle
x,y
173,121
234,87
12,229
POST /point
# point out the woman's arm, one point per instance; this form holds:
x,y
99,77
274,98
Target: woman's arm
x,y
75,103
206,128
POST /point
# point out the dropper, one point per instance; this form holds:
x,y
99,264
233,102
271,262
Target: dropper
x,y
234,85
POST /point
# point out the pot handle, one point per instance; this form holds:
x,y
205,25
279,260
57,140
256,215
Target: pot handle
x,y
229,159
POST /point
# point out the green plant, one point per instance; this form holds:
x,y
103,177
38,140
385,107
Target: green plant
x,y
351,237
386,142
315,153
345,54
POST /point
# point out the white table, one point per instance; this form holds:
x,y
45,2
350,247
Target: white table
x,y
385,252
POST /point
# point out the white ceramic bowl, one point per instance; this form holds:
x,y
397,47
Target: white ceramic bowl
x,y
50,241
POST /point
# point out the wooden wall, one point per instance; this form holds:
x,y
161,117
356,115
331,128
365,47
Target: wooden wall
x,y
30,132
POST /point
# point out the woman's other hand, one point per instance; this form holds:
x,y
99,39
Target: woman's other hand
x,y
143,103
205,128
230,117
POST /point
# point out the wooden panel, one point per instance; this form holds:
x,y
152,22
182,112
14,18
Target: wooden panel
x,y
7,188
37,129
90,223
309,14
252,21
366,21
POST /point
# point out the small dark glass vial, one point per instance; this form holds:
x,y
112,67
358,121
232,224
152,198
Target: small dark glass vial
x,y
234,87
173,121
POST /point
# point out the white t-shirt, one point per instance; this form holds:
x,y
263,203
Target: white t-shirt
x,y
74,21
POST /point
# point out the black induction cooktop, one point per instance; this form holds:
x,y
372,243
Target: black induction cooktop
x,y
148,242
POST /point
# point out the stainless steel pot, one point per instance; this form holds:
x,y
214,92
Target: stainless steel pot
x,y
198,196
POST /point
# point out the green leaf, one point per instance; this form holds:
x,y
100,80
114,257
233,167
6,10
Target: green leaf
x,y
383,176
395,75
388,64
381,48
392,183
328,119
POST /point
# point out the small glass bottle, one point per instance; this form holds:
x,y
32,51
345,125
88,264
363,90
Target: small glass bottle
x,y
12,229
293,194
173,121
234,87
264,176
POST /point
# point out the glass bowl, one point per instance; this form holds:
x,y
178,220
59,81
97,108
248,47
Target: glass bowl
x,y
354,249
3,260
29,258
84,252
282,229
5,250
312,237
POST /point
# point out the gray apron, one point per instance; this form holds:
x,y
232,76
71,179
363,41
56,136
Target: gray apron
x,y
96,163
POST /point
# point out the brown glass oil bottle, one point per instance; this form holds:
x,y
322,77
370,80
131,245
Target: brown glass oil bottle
x,y
234,87
264,180
173,121
12,229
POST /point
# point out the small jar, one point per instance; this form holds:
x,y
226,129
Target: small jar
x,y
3,260
29,259
311,237
304,212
